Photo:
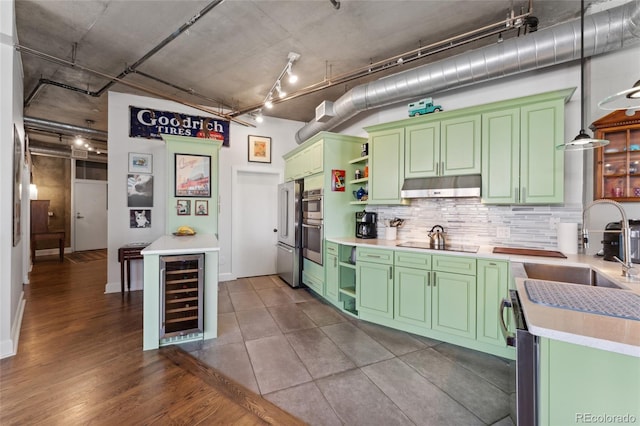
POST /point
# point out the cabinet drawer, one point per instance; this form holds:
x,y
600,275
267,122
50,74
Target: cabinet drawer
x,y
413,260
374,255
331,247
454,264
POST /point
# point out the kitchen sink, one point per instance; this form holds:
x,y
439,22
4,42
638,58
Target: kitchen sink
x,y
567,274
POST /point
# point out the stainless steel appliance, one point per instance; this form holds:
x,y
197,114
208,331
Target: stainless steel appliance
x,y
366,225
526,365
611,241
288,261
442,187
181,297
312,225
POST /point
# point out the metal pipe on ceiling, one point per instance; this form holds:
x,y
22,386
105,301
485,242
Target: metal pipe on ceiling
x,y
66,153
63,128
605,31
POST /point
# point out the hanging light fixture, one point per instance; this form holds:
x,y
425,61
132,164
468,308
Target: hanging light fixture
x,y
583,141
628,99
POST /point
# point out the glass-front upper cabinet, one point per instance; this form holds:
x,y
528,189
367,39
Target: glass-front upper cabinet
x,y
617,165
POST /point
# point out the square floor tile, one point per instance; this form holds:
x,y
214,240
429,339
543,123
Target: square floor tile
x,y
299,294
307,403
275,364
228,330
231,360
245,300
358,401
274,296
290,318
257,323
224,303
241,284
420,400
356,344
318,353
479,396
396,341
261,282
321,314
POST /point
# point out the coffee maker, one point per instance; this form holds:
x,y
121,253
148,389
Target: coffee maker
x,y
366,225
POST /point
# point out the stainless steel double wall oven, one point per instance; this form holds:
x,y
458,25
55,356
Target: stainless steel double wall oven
x,y
312,225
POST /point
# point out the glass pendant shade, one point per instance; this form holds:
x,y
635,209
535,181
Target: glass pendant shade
x,y
628,99
582,142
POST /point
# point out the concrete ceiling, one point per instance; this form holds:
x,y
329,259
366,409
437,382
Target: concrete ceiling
x,y
232,55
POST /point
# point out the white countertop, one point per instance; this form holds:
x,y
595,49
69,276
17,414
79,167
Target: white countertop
x,y
586,329
172,244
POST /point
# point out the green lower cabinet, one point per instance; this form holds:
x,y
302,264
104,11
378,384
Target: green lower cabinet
x,y
454,304
313,276
412,296
580,385
493,286
374,288
332,278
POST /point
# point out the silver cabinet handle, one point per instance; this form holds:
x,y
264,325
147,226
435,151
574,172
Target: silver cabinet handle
x,y
434,278
508,336
390,272
304,225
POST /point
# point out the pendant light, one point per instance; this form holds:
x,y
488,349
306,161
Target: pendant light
x,y
628,99
583,141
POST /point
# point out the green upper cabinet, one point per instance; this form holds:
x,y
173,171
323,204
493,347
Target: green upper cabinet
x,y
520,164
305,163
422,150
386,166
460,146
443,148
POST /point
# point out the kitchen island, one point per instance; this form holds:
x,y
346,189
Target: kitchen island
x,y
169,246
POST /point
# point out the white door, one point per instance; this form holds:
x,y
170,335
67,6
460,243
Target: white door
x,y
255,218
90,215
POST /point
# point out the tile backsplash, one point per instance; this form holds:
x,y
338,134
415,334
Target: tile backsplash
x,y
468,221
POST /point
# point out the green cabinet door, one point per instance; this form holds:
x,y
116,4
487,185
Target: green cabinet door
x,y
581,385
493,283
313,158
386,166
332,273
460,146
542,165
412,296
501,156
454,304
374,288
422,150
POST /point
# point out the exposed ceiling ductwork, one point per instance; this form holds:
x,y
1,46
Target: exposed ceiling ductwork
x,y
64,129
603,32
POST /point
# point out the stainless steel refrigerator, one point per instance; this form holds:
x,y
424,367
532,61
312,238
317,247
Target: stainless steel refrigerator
x,y
289,260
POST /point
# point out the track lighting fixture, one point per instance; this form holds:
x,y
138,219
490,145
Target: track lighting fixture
x,y
292,77
259,118
78,141
277,86
281,93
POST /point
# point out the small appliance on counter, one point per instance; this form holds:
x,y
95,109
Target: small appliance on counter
x,y
611,244
366,226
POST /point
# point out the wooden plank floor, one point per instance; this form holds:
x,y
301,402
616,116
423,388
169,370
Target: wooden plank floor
x,y
80,361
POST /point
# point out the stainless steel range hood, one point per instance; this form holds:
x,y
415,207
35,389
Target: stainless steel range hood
x,y
442,187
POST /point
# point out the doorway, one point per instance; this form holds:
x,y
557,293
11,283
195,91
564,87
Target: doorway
x,y
90,215
255,194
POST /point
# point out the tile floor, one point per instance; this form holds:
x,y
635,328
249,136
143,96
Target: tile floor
x,y
328,368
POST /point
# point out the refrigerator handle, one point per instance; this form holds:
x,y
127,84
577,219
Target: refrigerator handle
x,y
284,213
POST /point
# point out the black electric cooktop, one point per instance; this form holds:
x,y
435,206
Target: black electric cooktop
x,y
447,247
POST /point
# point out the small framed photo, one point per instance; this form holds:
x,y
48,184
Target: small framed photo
x,y
140,218
259,149
193,175
139,190
184,207
140,163
202,208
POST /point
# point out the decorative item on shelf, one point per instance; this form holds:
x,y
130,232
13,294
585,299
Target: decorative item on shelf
x,y
608,169
366,171
633,167
358,174
423,106
634,147
360,193
365,150
184,231
636,191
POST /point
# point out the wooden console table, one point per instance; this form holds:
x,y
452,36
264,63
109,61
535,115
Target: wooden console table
x,y
126,254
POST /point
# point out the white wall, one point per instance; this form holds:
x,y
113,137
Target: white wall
x,y
120,144
12,262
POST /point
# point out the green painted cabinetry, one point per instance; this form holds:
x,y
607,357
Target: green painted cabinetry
x,y
454,295
412,288
581,385
460,147
304,163
374,281
422,150
332,272
386,166
493,286
520,164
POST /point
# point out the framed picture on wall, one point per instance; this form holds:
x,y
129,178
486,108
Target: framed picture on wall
x,y
259,149
202,207
184,207
139,190
193,175
140,218
140,163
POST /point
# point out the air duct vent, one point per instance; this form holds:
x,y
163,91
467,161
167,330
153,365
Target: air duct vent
x,y
324,112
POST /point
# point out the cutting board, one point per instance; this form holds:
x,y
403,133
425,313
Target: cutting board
x,y
528,252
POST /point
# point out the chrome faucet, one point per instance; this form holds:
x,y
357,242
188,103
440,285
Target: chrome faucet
x,y
627,266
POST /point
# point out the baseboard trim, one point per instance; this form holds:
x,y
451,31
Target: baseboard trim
x,y
52,251
10,347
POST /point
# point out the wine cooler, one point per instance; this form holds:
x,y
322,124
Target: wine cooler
x,y
181,297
